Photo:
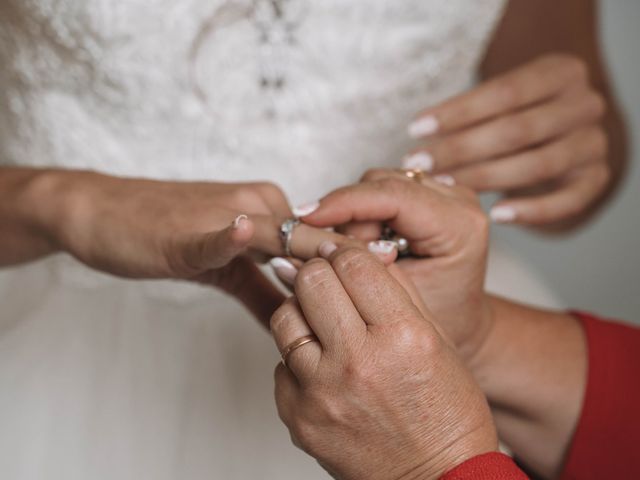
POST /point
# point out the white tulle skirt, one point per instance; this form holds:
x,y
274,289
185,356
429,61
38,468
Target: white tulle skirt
x,y
107,379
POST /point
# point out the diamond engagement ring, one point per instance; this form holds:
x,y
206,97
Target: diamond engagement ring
x,y
286,234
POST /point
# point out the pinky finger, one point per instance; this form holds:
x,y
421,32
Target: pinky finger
x,y
576,195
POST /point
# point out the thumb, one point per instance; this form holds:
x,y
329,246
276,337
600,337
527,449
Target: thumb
x,y
214,250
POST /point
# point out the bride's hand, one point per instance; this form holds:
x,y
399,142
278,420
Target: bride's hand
x,y
446,229
534,134
195,231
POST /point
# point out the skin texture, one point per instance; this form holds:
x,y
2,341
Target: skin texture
x,y
373,397
544,129
531,364
438,221
146,229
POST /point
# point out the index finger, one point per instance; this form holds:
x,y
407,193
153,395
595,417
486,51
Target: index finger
x,y
519,88
305,239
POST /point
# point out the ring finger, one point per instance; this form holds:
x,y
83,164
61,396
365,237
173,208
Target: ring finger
x,y
288,327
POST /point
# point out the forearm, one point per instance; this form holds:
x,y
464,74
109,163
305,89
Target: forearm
x,y
533,369
31,202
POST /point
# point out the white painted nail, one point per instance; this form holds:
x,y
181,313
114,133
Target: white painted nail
x,y
284,269
418,161
306,209
326,249
503,214
382,247
447,180
423,127
239,220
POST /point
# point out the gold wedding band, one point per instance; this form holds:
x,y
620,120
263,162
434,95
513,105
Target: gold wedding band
x,y
288,350
414,174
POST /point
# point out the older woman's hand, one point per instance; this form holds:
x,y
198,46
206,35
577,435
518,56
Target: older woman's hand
x,y
378,394
534,134
201,231
447,231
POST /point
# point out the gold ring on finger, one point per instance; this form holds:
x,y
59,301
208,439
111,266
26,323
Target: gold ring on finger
x,y
289,349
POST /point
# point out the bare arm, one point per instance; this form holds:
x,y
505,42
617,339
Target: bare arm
x,y
533,369
28,203
531,29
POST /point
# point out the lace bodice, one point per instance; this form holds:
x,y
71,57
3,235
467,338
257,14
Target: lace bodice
x,y
307,94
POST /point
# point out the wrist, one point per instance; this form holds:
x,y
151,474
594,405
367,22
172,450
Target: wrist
x,y
486,348
472,349
480,440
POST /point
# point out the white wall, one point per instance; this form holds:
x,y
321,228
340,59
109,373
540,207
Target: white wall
x,y
598,269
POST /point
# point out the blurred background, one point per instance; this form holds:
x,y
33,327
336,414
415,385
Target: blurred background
x,y
597,268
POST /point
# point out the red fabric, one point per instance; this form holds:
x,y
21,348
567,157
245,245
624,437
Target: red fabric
x,y
490,466
606,443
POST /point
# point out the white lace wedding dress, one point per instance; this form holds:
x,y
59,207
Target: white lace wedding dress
x,y
102,378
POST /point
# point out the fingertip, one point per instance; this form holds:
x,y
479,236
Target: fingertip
x,y
424,126
284,269
326,249
503,214
385,250
242,229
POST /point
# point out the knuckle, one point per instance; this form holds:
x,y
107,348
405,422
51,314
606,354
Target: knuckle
x,y
575,67
351,259
313,273
304,432
281,317
331,409
408,339
374,174
567,66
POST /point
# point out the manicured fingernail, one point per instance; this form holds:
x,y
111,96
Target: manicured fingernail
x,y
418,161
306,209
382,247
503,214
240,219
326,249
284,269
447,180
424,127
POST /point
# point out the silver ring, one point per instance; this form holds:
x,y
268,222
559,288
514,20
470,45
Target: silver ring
x,y
286,234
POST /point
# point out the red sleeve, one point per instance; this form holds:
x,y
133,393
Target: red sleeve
x,y
490,466
606,441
